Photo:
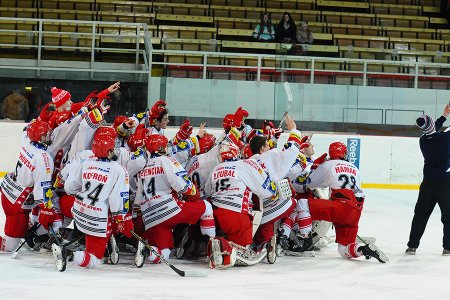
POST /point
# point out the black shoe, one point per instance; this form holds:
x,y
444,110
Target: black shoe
x,y
370,250
411,251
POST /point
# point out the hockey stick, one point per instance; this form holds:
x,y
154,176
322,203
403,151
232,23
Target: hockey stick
x,y
178,271
290,99
32,230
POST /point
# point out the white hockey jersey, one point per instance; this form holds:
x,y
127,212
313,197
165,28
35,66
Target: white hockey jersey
x,y
63,135
336,174
84,136
200,167
99,186
232,184
156,184
29,182
277,163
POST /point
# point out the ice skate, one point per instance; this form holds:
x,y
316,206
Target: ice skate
x,y
301,246
246,256
59,255
113,250
370,250
141,253
272,250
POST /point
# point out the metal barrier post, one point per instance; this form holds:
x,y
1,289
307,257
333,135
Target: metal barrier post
x,y
93,48
38,73
416,75
138,40
258,72
365,74
205,63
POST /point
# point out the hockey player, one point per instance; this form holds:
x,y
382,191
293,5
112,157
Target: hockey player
x,y
101,192
230,188
27,186
344,207
155,119
158,184
276,163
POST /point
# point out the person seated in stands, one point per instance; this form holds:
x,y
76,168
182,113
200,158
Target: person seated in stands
x,y
286,30
305,38
264,31
304,35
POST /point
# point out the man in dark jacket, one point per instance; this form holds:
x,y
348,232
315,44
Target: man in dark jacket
x,y
435,187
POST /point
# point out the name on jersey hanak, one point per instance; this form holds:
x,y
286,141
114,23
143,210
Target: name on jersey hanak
x,y
95,176
151,171
345,169
223,173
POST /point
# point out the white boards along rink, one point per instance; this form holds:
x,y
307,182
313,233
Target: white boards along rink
x,y
385,162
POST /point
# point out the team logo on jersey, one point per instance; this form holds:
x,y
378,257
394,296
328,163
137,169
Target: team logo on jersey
x,y
273,186
126,200
137,153
48,195
46,184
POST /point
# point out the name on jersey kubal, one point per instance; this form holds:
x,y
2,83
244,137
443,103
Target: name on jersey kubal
x,y
223,173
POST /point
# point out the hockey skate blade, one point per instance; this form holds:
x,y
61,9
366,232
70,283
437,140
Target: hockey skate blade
x,y
300,254
382,256
197,273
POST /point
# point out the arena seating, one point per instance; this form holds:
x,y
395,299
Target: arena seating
x,y
401,30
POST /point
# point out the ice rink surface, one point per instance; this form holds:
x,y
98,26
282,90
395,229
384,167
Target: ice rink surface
x,y
387,216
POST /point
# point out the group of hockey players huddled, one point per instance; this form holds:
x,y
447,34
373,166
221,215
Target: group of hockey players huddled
x,y
82,188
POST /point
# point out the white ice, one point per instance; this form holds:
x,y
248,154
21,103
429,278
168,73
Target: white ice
x,y
387,216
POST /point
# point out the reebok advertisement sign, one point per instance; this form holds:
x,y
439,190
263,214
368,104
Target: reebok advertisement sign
x,y
353,146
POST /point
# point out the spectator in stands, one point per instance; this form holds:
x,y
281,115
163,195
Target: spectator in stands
x,y
15,106
286,30
304,35
264,31
304,38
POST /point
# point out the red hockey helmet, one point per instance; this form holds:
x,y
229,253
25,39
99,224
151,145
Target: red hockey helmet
x,y
227,122
119,120
228,151
105,130
102,146
38,129
207,142
337,150
137,139
156,143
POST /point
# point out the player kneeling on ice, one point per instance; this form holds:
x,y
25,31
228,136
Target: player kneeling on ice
x,y
230,187
28,185
159,182
345,204
101,190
